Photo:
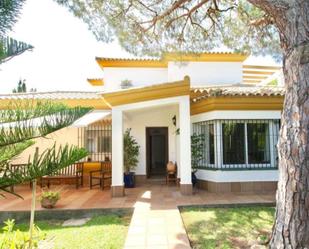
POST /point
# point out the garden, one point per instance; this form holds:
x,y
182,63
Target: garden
x,y
228,227
106,231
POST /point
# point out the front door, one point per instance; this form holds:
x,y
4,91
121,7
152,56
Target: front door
x,y
156,151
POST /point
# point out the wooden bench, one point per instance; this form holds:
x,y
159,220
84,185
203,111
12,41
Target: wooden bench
x,y
74,171
102,175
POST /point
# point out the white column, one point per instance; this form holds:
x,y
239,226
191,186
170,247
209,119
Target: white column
x,y
117,188
185,146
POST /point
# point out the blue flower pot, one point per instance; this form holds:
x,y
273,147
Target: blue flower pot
x,y
194,179
129,180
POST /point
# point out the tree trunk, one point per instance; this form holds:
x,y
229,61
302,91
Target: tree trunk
x,y
291,228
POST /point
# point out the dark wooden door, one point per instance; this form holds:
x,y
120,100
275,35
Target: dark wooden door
x,y
156,151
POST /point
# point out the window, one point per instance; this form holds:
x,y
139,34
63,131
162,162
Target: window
x,y
104,144
239,144
258,143
211,144
233,143
97,139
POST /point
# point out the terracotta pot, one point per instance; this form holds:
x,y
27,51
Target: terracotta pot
x,y
48,202
171,167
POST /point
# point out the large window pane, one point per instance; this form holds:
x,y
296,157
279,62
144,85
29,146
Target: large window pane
x,y
258,143
233,135
211,144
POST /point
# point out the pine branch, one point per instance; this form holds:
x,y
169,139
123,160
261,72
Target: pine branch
x,y
22,130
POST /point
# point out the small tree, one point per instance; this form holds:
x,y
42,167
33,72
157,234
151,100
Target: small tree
x,y
130,151
197,147
21,87
17,131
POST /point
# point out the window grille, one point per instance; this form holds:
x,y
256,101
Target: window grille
x,y
239,144
97,139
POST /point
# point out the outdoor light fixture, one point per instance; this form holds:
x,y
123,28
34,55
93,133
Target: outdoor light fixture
x,y
174,120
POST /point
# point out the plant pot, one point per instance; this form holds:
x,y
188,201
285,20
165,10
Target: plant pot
x,y
194,179
129,180
48,202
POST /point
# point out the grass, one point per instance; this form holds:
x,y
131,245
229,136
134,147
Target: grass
x,y
104,232
225,228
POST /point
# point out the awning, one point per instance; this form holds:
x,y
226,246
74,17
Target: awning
x,y
91,117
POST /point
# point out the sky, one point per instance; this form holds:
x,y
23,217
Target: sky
x,y
64,51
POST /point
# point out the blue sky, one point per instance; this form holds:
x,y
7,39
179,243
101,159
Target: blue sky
x,y
63,57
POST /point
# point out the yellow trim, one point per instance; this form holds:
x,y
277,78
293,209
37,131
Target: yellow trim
x,y
163,62
103,62
257,72
261,67
205,57
96,82
94,103
237,103
153,92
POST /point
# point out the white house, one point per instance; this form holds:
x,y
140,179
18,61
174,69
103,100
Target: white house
x,y
164,101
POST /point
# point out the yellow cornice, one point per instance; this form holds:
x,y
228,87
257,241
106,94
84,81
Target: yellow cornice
x,y
105,62
153,92
96,82
98,104
237,103
206,57
163,62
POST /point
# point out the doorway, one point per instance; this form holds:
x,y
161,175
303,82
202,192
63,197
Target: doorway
x,y
156,151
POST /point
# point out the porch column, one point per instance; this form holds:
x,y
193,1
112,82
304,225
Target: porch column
x,y
117,188
185,146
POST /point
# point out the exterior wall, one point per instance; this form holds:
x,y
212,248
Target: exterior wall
x,y
238,175
138,76
206,73
153,117
61,137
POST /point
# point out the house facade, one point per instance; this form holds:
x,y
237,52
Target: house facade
x,y
165,101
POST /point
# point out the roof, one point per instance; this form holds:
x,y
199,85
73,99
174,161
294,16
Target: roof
x,y
51,95
199,93
255,74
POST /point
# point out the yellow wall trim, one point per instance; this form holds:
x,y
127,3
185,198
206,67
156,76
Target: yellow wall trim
x,y
206,57
163,62
97,104
106,62
153,92
237,103
96,82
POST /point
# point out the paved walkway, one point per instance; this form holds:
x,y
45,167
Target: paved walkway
x,y
156,222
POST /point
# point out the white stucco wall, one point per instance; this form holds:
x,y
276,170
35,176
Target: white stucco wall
x,y
138,76
151,117
206,73
68,135
238,176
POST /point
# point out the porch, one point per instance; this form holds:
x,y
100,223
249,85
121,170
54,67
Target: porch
x,y
151,196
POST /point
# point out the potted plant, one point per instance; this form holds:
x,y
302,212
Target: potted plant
x,y
49,198
197,147
130,158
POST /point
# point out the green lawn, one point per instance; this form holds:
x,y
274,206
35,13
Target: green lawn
x,y
101,232
228,227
